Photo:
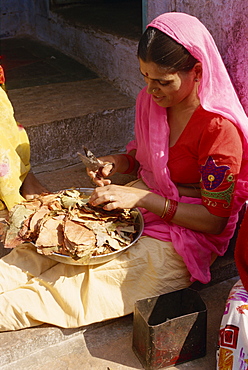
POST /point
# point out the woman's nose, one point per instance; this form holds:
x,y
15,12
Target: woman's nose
x,y
151,89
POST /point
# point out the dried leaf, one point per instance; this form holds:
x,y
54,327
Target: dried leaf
x,y
17,217
51,232
76,235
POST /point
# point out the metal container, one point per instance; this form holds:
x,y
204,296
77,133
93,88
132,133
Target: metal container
x,y
95,260
170,329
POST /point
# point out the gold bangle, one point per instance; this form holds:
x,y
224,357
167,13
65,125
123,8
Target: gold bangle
x,y
172,208
166,203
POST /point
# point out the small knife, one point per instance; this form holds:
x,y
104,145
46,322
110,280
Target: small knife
x,y
91,162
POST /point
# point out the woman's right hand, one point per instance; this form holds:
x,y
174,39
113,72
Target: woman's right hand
x,y
111,165
99,177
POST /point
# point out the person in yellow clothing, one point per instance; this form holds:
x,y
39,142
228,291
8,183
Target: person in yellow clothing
x,y
16,181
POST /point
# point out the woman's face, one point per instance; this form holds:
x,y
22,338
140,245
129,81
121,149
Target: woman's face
x,y
168,89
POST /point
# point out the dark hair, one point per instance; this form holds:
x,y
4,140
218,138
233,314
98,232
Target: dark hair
x,y
155,46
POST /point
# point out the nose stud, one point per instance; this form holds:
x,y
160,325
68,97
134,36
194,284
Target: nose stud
x,y
154,90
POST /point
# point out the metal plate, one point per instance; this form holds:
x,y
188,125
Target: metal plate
x,y
96,260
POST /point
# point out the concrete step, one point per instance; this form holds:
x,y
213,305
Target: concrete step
x,y
63,104
60,118
103,346
103,36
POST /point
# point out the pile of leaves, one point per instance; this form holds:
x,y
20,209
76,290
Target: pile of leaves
x,y
65,223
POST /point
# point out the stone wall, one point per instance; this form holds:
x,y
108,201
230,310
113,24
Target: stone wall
x,y
227,22
17,17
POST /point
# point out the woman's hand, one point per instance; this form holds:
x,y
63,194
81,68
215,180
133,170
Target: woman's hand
x,y
118,196
111,165
99,177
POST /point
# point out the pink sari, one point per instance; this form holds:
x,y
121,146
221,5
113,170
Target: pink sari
x,y
151,143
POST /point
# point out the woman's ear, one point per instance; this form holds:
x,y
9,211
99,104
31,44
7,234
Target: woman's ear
x,y
198,71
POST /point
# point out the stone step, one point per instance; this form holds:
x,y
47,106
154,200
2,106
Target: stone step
x,y
103,36
63,104
60,118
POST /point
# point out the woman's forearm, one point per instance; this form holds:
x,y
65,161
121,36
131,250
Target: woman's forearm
x,y
122,163
192,216
198,218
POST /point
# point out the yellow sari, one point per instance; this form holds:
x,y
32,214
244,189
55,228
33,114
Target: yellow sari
x,y
14,155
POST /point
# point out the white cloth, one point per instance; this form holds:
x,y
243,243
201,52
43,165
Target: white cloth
x,y
232,353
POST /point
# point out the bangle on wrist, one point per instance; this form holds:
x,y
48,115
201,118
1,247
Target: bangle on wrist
x,y
166,203
131,163
170,209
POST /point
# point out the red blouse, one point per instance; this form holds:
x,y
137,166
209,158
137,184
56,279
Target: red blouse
x,y
208,152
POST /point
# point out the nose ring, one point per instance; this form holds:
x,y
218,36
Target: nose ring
x,y
154,90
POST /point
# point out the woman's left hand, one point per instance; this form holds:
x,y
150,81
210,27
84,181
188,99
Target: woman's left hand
x,y
117,196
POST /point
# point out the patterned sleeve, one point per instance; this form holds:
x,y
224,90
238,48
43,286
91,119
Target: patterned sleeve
x,y
220,162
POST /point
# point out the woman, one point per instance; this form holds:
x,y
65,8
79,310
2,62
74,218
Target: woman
x,y
16,180
233,337
190,136
188,123
17,183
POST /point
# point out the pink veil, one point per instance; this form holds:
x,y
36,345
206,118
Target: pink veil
x,y
217,95
193,35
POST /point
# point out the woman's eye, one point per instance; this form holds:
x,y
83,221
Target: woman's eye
x,y
162,83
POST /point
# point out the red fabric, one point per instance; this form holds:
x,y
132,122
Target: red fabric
x,y
208,152
241,251
2,78
131,161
